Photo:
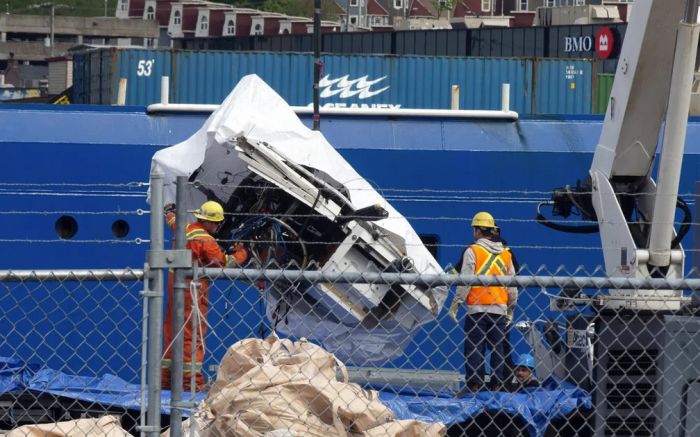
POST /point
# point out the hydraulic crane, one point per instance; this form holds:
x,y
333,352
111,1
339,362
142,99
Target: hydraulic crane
x,y
648,110
643,367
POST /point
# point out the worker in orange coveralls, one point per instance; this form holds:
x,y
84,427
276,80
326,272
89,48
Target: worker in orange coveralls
x,y
207,253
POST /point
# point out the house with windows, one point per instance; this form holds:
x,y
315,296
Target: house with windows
x,y
204,19
266,23
378,17
238,21
184,18
423,14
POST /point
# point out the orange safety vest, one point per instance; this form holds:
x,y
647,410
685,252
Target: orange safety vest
x,y
491,264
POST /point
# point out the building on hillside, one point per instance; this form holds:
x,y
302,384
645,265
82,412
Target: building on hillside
x,y
178,19
593,12
29,39
423,14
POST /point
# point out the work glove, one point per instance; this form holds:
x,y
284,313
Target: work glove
x,y
170,207
240,254
453,311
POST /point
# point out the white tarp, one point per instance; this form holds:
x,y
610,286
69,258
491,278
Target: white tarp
x,y
254,111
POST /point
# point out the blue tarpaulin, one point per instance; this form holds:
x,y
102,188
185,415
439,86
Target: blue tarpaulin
x,y
107,390
537,407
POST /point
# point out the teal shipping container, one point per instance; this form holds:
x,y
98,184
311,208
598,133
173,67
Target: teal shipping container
x,y
367,81
96,75
357,81
563,86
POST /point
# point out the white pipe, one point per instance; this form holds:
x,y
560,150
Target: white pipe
x,y
438,113
165,90
121,92
505,97
455,97
671,158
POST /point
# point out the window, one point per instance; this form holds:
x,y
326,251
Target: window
x,y
398,4
353,2
377,20
257,30
150,13
124,5
176,17
549,3
204,24
522,5
230,27
353,19
485,5
579,2
431,242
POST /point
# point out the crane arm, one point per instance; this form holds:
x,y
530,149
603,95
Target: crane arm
x,y
647,111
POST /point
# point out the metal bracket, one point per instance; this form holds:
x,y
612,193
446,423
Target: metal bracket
x,y
148,428
162,259
150,293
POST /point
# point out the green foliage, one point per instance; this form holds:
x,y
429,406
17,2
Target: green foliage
x,y
77,7
444,6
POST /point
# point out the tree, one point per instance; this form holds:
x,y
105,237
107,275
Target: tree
x,y
444,6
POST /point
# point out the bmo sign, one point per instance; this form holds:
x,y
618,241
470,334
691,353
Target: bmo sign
x,y
603,43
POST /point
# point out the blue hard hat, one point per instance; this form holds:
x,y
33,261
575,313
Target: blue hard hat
x,y
525,360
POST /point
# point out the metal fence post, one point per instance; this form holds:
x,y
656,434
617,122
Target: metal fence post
x,y
178,306
155,326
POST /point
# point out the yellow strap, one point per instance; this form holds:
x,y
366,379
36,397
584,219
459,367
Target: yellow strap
x,y
167,363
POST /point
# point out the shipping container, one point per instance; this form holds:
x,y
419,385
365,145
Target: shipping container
x,y
572,41
519,42
601,97
362,81
357,81
372,81
96,75
563,86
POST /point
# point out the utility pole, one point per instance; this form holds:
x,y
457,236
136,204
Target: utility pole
x,y
52,7
317,63
105,8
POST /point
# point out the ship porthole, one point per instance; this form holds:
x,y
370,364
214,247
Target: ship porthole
x,y
120,228
66,227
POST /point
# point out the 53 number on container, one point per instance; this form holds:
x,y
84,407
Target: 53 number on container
x,y
145,67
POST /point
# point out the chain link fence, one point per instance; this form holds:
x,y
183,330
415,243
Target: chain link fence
x,y
297,340
76,342
68,332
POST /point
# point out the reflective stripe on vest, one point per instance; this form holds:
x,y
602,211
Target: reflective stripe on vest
x,y
490,264
167,363
196,233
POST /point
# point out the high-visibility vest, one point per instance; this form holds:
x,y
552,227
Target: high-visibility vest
x,y
491,264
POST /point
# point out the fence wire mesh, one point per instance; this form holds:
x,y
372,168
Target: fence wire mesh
x,y
71,346
298,341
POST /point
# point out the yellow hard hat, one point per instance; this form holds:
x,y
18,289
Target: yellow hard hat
x,y
210,211
483,220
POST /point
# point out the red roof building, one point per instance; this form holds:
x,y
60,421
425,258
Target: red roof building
x,y
377,15
419,10
266,23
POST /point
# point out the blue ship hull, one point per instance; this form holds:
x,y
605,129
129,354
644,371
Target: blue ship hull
x,y
86,162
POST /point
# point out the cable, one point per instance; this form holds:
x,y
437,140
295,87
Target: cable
x,y
585,229
685,226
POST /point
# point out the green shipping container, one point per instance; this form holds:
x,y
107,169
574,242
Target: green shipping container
x,y
602,93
